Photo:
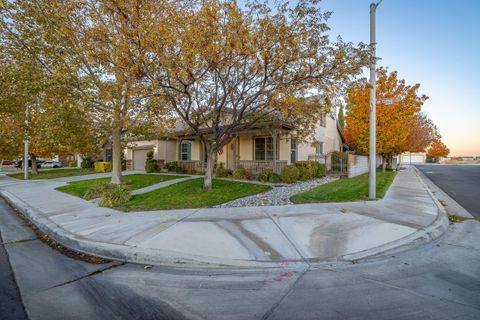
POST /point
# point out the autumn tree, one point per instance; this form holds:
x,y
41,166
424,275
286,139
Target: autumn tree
x,y
422,134
437,149
230,68
398,108
96,48
34,107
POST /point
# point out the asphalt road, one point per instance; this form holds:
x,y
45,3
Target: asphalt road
x,y
11,306
439,280
461,182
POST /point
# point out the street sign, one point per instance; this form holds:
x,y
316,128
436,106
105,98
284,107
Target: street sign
x,y
388,101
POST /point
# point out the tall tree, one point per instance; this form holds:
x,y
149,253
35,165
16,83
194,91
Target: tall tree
x,y
422,134
96,48
35,107
394,120
341,117
230,69
438,149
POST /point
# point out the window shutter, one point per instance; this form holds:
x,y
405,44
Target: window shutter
x,y
189,147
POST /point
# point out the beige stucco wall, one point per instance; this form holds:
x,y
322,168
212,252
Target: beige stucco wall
x,y
328,135
162,149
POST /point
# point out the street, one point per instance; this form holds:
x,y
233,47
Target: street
x,y
461,182
440,280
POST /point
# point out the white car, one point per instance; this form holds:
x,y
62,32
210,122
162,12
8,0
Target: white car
x,y
51,164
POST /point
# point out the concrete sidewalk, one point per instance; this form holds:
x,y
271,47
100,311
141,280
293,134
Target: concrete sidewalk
x,y
253,236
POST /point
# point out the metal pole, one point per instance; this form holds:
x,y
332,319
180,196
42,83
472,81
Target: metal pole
x,y
372,152
25,155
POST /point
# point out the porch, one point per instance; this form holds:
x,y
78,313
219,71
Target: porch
x,y
254,150
252,166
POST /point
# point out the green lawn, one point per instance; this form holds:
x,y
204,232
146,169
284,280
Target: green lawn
x,y
346,189
54,173
189,194
132,182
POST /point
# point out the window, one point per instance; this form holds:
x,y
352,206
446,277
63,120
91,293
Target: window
x,y
108,155
263,148
323,120
319,148
185,150
293,151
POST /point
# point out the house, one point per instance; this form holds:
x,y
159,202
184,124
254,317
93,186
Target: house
x,y
267,147
408,158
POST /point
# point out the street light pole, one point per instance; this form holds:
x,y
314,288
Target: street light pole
x,y
25,155
373,117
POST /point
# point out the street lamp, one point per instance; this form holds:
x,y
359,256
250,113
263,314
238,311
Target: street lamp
x,y
372,152
25,155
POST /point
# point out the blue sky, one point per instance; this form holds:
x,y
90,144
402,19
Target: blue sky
x,y
433,42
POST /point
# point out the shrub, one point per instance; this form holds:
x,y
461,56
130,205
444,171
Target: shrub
x,y
72,164
313,169
171,166
114,196
290,174
242,173
274,178
150,163
103,166
86,163
221,172
269,176
179,169
264,176
304,174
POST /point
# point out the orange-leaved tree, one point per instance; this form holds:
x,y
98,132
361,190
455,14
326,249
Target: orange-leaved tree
x,y
395,120
422,134
437,149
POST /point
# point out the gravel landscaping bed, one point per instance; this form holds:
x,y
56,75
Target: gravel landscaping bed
x,y
278,196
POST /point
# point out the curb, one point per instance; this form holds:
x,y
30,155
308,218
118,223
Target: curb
x,y
421,236
122,253
164,257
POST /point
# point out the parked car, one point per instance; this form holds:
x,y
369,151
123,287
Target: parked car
x,y
7,163
52,164
19,163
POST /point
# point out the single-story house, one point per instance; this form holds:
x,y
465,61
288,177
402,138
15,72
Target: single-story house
x,y
266,147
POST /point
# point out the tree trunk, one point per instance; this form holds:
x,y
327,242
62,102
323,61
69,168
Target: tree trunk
x,y
34,163
211,155
384,164
116,156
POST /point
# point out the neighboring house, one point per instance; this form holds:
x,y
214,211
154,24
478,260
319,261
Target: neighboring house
x,y
408,158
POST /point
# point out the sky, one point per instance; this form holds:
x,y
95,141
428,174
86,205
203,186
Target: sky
x,y
432,42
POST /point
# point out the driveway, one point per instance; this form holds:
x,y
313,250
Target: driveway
x,y
461,182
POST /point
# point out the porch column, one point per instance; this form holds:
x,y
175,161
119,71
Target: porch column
x,y
235,160
274,141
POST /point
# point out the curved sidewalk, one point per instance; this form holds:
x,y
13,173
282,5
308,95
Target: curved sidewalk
x,y
251,236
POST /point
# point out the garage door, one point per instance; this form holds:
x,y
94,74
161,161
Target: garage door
x,y
139,157
415,159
